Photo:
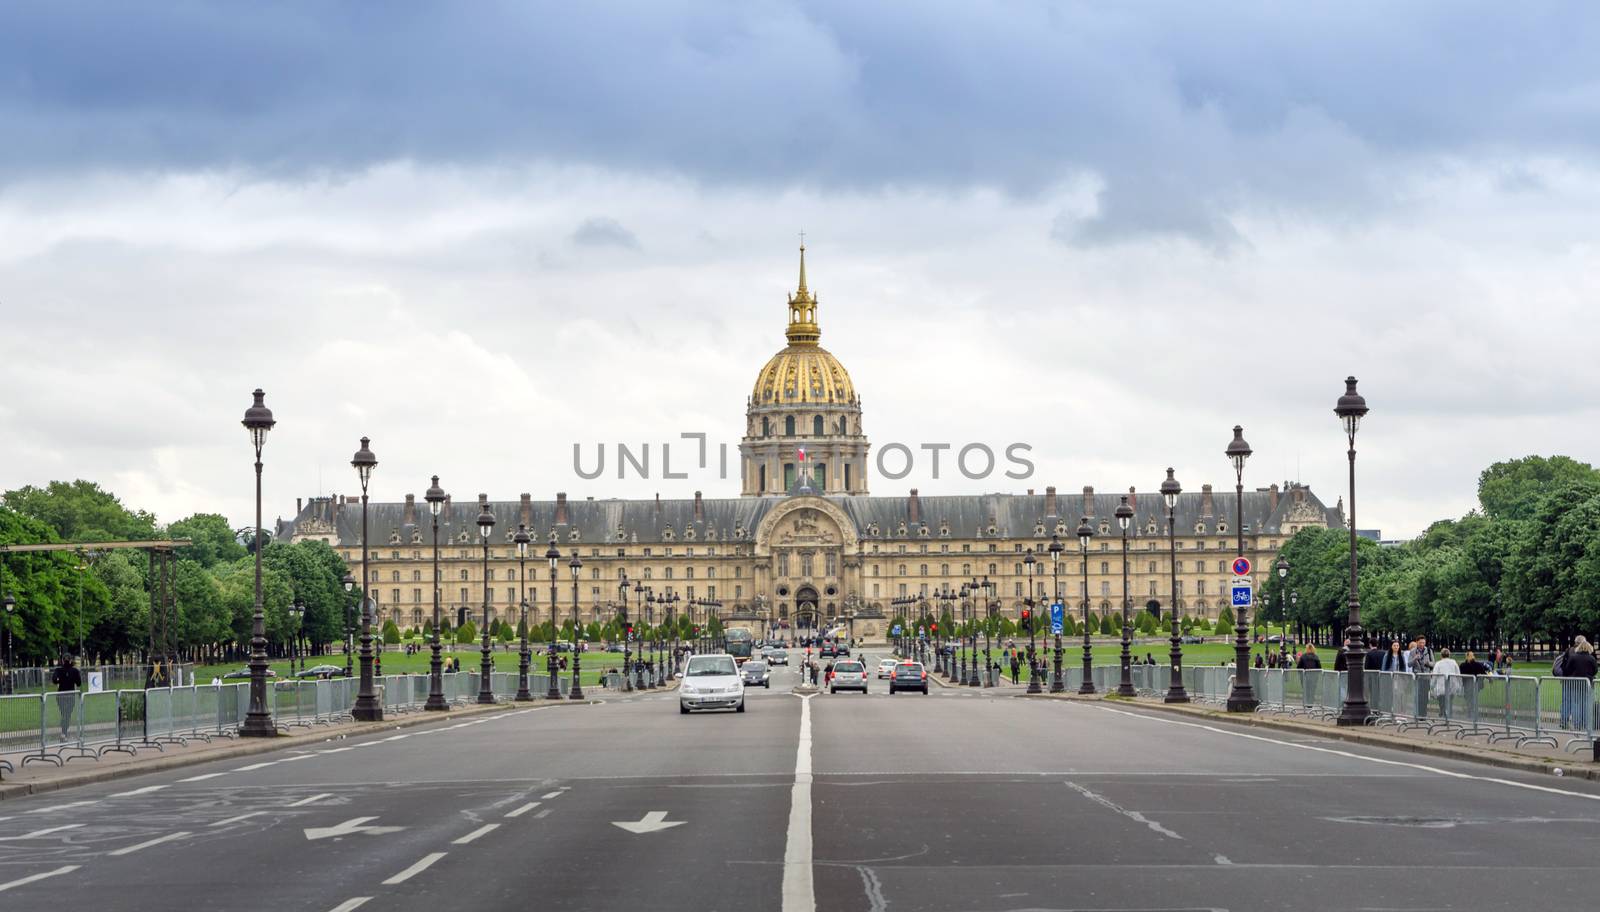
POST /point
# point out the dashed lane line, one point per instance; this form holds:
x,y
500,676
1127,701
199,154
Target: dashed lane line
x,y
60,807
44,832
350,904
548,795
523,810
203,777
423,865
543,814
480,831
236,818
138,791
32,878
129,850
252,767
312,800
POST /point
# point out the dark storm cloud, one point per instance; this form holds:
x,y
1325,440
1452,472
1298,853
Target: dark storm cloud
x,y
1184,112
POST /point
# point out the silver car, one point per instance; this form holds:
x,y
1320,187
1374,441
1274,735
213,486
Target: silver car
x,y
848,675
711,682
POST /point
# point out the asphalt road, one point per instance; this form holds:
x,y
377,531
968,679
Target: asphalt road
x,y
954,801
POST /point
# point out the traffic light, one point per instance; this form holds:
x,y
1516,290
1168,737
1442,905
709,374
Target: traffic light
x,y
936,628
1027,620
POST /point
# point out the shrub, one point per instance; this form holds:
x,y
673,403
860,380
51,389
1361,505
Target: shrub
x,y
1106,626
391,633
466,633
1224,619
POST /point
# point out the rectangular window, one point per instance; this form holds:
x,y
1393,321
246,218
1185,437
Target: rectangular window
x,y
711,592
902,590
416,595
1018,592
1105,588
394,596
1200,587
874,590
511,596
738,592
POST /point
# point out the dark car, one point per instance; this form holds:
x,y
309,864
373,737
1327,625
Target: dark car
x,y
827,651
909,676
245,673
756,674
842,649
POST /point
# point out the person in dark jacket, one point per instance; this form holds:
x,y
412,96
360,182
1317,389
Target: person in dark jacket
x,y
1374,658
67,680
1341,660
1309,660
1474,665
1395,658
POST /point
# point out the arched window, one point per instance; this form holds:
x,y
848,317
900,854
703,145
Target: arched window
x,y
666,573
766,427
922,569
944,570
788,426
902,569
816,426
763,475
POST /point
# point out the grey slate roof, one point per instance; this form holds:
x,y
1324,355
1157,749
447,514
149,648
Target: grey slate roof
x,y
735,519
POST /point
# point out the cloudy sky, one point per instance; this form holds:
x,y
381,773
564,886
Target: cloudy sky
x,y
483,233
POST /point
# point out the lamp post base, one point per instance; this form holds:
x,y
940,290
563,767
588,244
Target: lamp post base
x,y
553,692
1353,714
576,691
367,709
1245,703
523,695
258,725
1176,694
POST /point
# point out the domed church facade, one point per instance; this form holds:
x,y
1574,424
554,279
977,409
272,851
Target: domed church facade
x,y
804,543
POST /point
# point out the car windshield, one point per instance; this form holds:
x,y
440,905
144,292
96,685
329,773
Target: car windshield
x,y
756,667
908,669
780,654
847,666
711,665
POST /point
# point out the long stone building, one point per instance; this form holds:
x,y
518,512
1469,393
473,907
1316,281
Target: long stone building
x,y
805,542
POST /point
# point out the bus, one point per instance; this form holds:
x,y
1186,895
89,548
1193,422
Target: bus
x,y
739,644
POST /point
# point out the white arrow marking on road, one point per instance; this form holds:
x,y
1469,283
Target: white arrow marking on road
x,y
649,823
349,827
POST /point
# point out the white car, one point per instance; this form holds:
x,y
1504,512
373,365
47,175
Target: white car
x,y
886,669
711,682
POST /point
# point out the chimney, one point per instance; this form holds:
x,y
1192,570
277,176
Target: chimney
x,y
1133,498
658,503
446,510
525,513
1272,497
1050,501
561,508
699,508
914,509
411,510
1088,501
1207,506
297,506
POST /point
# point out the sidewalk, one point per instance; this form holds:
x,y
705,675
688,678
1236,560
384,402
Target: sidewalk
x,y
42,776
1527,759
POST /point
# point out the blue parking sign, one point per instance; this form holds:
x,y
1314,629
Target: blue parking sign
x,y
1055,618
1243,594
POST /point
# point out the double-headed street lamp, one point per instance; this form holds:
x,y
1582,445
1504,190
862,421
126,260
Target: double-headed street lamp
x,y
575,692
1170,489
258,421
1351,409
435,497
1085,533
553,692
367,708
522,540
486,670
1242,697
1057,685
1124,515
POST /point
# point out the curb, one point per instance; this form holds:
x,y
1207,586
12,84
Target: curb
x,y
1486,757
249,748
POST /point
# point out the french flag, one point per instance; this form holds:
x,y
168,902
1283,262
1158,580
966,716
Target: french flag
x,y
801,454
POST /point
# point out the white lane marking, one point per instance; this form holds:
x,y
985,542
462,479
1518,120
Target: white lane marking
x,y
334,750
253,766
651,822
312,800
138,791
423,865
237,819
397,738
524,809
799,889
548,795
350,904
1135,816
129,850
297,757
1379,760
1223,860
543,814
44,832
486,828
68,869
202,777
59,807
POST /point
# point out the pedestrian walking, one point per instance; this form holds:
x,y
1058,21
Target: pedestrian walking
x,y
67,680
1577,683
1394,659
1473,666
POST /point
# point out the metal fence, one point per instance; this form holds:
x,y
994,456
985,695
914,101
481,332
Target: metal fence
x,y
58,727
32,680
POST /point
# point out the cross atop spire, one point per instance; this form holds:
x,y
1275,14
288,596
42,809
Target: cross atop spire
x,y
803,308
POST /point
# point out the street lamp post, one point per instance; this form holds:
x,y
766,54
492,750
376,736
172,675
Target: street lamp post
x,y
349,582
9,603
1170,489
575,692
1124,516
627,635
435,497
1242,697
1351,408
258,421
1085,533
297,611
642,594
1028,564
1057,684
1282,566
486,669
553,692
367,708
522,540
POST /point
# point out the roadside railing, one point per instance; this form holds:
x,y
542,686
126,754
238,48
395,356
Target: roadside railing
x,y
58,727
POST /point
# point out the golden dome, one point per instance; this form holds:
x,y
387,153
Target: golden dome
x,y
804,372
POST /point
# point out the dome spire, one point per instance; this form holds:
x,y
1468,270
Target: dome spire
x,y
803,328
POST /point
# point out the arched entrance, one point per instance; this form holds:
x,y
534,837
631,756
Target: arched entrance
x,y
805,611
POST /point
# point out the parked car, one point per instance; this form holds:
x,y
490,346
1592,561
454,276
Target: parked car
x,y
885,668
756,674
842,649
1194,639
778,657
851,675
711,682
245,673
909,676
322,671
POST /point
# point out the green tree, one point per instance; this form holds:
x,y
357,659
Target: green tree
x,y
391,633
1107,626
506,633
214,540
1513,489
1224,618
81,511
467,633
